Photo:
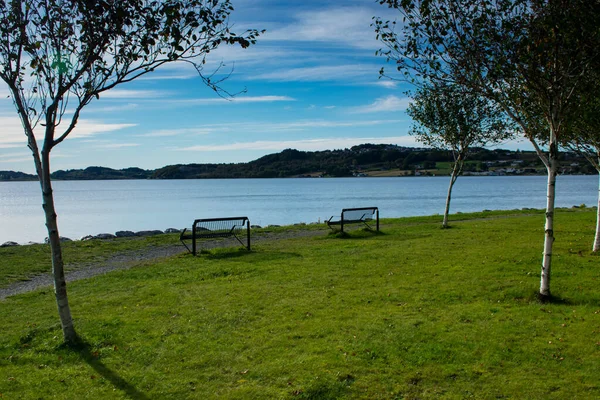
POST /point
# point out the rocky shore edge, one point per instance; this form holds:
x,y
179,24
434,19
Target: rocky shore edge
x,y
104,236
123,234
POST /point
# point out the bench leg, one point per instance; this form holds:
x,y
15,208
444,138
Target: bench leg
x,y
186,246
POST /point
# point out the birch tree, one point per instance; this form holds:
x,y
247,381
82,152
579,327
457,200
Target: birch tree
x,y
527,56
585,139
449,118
57,56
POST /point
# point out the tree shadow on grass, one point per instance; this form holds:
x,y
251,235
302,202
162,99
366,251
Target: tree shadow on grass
x,y
593,301
225,253
535,297
87,353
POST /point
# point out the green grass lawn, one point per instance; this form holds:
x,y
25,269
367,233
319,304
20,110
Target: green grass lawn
x,y
415,312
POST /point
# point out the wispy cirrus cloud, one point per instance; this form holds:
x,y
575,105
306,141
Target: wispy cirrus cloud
x,y
266,127
120,108
386,83
116,145
87,127
234,100
183,131
384,104
319,73
10,146
349,26
303,144
12,134
305,125
4,93
15,157
132,94
260,127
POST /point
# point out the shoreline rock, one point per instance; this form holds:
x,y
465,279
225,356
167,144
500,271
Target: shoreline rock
x,y
149,233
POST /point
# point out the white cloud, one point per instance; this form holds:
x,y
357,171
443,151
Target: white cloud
x,y
239,99
131,94
123,107
4,92
261,99
318,74
306,144
293,126
86,128
386,84
303,125
184,131
21,154
16,158
350,26
117,145
384,104
259,127
12,134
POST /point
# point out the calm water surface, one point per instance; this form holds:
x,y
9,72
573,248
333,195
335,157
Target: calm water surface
x,y
92,207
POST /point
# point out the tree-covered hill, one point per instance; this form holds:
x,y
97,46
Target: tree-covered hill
x,y
16,176
362,160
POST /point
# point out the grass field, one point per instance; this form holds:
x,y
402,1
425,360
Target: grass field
x,y
415,312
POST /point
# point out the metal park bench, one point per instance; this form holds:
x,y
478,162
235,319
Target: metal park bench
x,y
213,228
356,216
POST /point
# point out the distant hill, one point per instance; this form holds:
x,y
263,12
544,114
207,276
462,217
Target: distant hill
x,y
362,160
16,176
95,173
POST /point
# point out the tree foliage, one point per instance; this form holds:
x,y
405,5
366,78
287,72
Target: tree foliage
x,y
449,117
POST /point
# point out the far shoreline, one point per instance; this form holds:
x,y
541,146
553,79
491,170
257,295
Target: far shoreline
x,y
468,175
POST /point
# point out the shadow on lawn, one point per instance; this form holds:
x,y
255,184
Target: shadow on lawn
x,y
222,254
355,234
593,301
87,353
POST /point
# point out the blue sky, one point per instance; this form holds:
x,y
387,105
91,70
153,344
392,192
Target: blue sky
x,y
311,83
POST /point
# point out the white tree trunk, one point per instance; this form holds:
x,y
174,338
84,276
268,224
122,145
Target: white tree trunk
x,y
455,171
597,238
58,273
549,226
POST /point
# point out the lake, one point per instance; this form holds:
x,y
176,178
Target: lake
x,y
92,207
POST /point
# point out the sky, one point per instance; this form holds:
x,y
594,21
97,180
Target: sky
x,y
311,82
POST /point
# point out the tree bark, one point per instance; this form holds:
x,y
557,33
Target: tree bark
x,y
597,237
455,171
58,273
552,169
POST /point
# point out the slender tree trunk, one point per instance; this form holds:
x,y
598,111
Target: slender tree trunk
x,y
552,169
60,284
455,172
597,238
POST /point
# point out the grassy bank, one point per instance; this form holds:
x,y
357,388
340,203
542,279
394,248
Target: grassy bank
x,y
414,312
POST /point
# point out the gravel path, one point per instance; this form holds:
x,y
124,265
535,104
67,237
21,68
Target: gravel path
x,y
131,259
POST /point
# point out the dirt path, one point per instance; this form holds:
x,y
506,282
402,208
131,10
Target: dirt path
x,y
132,259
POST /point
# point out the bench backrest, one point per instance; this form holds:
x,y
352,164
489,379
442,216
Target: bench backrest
x,y
218,226
359,214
